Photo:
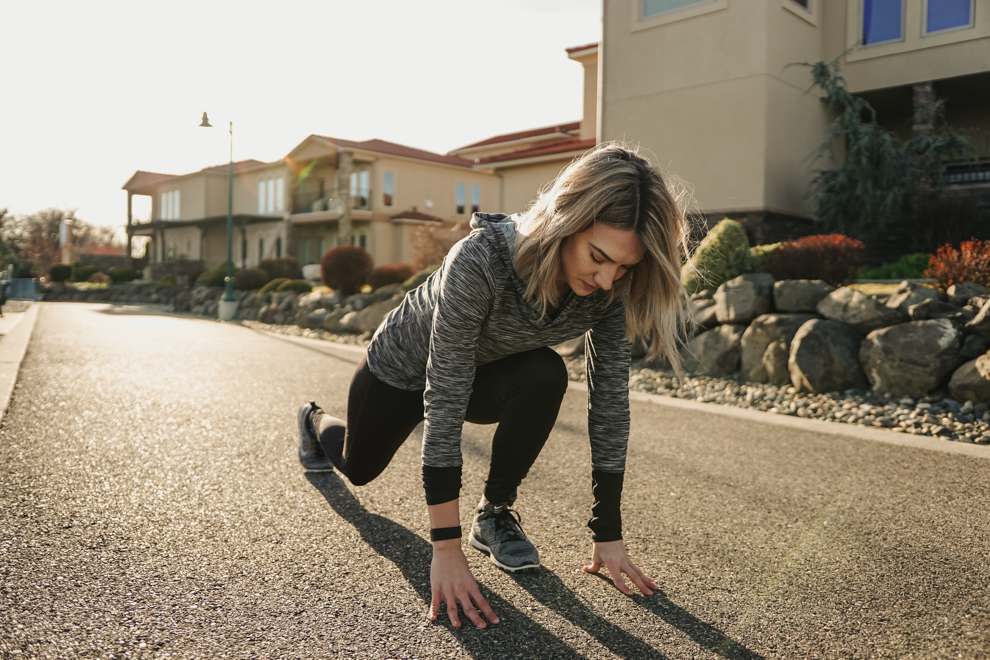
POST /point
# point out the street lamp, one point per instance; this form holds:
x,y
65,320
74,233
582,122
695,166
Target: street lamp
x,y
228,306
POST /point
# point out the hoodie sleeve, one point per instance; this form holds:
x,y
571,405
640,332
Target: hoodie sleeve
x,y
607,359
466,295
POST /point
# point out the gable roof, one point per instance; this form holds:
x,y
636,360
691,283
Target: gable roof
x,y
562,147
238,165
394,149
140,179
562,130
575,50
416,215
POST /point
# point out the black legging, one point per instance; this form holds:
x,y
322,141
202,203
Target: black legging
x,y
521,393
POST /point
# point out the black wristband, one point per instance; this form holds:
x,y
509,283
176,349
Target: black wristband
x,y
445,533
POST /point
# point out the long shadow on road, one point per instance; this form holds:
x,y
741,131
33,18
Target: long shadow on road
x,y
518,634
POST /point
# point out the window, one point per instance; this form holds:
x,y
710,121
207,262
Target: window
x,y
261,196
360,193
188,254
271,195
803,3
261,249
169,203
388,188
304,255
883,20
321,250
475,199
278,247
654,7
948,15
279,195
460,199
243,252
363,240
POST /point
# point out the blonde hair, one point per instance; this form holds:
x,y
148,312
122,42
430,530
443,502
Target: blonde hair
x,y
613,185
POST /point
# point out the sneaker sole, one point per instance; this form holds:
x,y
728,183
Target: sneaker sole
x,y
484,548
304,436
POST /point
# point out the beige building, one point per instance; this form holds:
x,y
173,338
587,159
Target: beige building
x,y
709,88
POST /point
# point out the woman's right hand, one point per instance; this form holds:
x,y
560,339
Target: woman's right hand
x,y
452,583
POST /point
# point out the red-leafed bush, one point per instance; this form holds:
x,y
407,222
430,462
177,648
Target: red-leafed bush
x,y
834,258
970,263
346,268
390,274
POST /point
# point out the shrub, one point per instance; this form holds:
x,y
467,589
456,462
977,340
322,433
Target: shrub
x,y
834,258
722,255
299,286
390,274
283,267
168,280
215,276
82,273
417,279
970,263
346,268
758,252
121,274
273,285
250,279
25,270
60,272
908,267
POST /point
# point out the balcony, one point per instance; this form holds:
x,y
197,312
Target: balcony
x,y
319,201
968,173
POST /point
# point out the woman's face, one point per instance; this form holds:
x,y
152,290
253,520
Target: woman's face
x,y
595,258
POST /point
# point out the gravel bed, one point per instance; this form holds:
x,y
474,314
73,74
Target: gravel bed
x,y
931,415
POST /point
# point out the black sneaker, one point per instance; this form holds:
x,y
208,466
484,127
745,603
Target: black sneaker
x,y
497,530
311,453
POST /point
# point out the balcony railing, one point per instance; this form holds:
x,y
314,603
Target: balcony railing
x,y
967,173
314,201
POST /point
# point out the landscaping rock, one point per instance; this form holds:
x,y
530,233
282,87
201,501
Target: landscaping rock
x,y
705,310
862,312
765,330
348,322
799,295
332,322
973,347
715,352
910,359
316,318
980,324
743,298
369,318
824,357
959,294
774,363
704,294
922,310
971,381
910,293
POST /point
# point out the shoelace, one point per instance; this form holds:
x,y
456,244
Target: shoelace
x,y
512,522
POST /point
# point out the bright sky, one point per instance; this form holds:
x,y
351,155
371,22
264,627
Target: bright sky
x,y
93,91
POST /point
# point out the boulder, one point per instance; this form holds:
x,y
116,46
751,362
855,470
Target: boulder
x,y
864,313
973,347
704,294
824,357
799,295
369,318
774,363
761,333
315,319
715,352
312,273
705,313
971,381
924,309
571,347
742,299
980,324
332,322
910,293
911,359
959,294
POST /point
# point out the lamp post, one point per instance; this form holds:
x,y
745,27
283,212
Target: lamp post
x,y
228,306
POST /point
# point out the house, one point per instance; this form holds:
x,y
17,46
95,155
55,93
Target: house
x,y
711,88
526,161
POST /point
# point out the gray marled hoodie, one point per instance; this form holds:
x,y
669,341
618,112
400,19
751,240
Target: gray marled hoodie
x,y
473,311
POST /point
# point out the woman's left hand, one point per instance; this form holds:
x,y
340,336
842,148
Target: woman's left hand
x,y
613,556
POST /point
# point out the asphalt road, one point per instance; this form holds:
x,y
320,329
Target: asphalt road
x,y
151,505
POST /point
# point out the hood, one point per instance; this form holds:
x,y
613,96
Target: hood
x,y
501,229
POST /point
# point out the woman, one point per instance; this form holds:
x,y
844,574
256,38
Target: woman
x,y
598,254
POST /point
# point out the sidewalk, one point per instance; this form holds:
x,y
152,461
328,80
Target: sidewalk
x,y
15,331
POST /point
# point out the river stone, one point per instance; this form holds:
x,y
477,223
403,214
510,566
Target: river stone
x,y
742,299
973,347
911,359
765,330
959,294
971,381
910,293
862,312
715,352
799,295
824,357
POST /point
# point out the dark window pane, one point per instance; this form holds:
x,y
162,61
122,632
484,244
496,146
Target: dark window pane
x,y
881,20
948,14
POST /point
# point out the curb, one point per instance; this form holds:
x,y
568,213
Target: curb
x,y
813,425
13,347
